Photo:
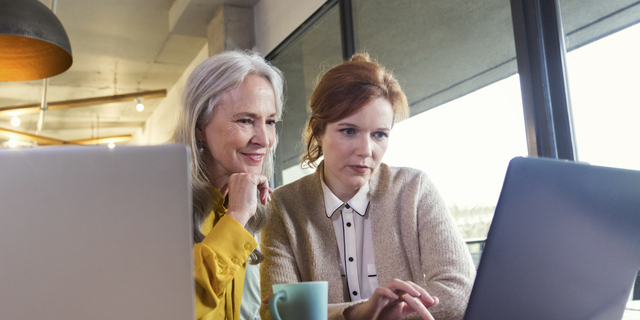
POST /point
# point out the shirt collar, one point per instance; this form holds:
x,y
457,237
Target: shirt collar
x,y
359,202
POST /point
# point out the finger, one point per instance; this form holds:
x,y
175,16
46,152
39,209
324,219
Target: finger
x,y
417,306
424,295
263,186
224,189
399,285
381,292
266,300
264,198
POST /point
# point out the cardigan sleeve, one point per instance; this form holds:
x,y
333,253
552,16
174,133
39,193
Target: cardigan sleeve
x,y
217,260
279,264
445,260
278,240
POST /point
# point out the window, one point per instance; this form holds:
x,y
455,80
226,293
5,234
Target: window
x,y
316,49
603,81
450,58
465,146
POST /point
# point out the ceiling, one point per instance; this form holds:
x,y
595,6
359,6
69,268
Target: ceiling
x,y
119,47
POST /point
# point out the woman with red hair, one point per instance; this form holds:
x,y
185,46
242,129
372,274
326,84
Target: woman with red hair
x,y
358,223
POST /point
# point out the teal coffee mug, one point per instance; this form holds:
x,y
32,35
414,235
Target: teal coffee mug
x,y
302,300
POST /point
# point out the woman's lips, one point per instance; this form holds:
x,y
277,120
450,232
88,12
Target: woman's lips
x,y
254,157
359,169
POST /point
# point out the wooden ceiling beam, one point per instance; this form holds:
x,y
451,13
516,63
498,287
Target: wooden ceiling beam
x,y
103,140
67,104
40,140
46,141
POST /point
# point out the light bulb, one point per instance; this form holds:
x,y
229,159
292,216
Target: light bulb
x,y
13,143
111,145
139,107
15,121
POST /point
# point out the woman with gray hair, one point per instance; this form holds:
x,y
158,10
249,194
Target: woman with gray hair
x,y
230,105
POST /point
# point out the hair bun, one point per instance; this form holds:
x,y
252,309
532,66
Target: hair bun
x,y
360,57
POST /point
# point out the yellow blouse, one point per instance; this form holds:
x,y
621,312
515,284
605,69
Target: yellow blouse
x,y
220,262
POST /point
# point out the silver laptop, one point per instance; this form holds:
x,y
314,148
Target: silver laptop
x,y
564,243
96,233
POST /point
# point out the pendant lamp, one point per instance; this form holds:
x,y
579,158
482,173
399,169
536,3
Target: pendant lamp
x,y
33,43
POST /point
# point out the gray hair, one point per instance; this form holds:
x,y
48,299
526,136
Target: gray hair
x,y
202,93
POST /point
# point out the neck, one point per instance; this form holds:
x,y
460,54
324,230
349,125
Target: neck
x,y
343,193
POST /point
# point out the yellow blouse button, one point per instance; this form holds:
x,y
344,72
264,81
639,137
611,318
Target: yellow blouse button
x,y
247,247
234,260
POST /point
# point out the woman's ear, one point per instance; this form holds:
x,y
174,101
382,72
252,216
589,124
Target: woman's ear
x,y
200,136
316,137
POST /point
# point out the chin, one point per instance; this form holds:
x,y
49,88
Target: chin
x,y
256,170
358,183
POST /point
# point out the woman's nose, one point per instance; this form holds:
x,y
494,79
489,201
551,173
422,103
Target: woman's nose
x,y
260,135
364,147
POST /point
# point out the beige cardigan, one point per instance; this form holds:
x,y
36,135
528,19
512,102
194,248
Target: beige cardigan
x,y
414,238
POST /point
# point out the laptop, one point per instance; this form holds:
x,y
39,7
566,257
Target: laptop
x,y
564,243
96,233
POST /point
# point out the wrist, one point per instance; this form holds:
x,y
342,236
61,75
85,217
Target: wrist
x,y
238,216
356,311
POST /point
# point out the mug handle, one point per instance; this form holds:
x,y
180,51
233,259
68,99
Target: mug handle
x,y
273,304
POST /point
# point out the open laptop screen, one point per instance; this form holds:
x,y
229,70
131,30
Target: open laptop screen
x,y
564,243
96,233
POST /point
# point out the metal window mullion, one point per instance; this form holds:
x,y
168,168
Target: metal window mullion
x,y
346,29
540,51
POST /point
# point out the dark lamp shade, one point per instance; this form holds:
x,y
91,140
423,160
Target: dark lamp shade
x,y
33,43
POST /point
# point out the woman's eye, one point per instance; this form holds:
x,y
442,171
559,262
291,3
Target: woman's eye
x,y
271,122
348,131
245,121
381,135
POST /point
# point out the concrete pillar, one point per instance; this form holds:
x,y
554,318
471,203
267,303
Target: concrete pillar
x,y
231,28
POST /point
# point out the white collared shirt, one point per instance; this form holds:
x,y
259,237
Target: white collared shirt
x,y
352,226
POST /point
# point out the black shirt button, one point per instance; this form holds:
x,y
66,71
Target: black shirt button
x,y
348,224
355,293
350,259
347,206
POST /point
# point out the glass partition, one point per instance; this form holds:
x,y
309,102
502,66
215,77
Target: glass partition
x,y
311,53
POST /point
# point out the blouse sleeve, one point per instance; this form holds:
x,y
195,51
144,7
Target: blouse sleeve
x,y
446,262
217,260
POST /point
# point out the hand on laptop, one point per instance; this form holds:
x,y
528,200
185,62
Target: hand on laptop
x,y
398,299
242,195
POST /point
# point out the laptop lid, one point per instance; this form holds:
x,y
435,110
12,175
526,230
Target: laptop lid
x,y
564,243
96,233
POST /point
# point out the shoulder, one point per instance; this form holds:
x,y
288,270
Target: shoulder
x,y
389,177
299,187
299,193
401,184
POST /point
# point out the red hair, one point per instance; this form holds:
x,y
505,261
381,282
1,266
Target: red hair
x,y
344,90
